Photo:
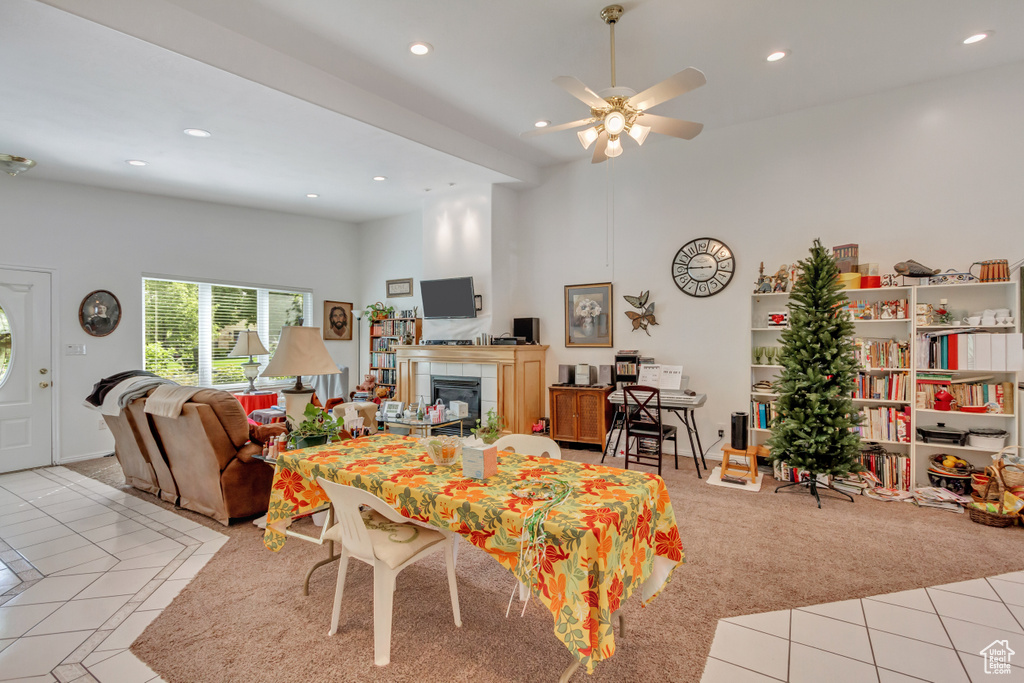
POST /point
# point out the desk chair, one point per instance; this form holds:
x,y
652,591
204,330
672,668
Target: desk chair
x,y
388,542
644,428
529,444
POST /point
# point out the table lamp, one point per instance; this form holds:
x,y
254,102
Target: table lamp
x,y
249,344
300,351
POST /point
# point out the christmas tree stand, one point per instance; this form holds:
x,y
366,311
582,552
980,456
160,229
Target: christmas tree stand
x,y
813,485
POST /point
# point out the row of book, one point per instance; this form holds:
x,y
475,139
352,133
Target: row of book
x,y
890,387
383,360
885,423
393,328
882,353
966,393
382,344
891,469
625,368
761,414
971,351
878,310
385,376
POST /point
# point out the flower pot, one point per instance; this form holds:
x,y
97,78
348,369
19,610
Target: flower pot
x,y
307,441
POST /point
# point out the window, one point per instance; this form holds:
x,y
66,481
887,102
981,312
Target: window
x,y
191,327
5,346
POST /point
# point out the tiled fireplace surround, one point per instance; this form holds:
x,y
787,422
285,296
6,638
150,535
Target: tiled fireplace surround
x,y
487,372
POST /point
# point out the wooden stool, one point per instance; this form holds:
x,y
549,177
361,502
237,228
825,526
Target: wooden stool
x,y
748,471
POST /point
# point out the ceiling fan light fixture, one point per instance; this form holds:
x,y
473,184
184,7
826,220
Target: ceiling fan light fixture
x,y
639,133
12,165
614,122
587,137
197,132
614,147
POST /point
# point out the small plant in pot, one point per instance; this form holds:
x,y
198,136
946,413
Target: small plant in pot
x,y
316,428
378,311
490,429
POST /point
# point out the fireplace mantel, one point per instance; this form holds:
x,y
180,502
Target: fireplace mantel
x,y
520,372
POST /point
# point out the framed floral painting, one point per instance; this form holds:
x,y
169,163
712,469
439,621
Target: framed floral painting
x,y
588,315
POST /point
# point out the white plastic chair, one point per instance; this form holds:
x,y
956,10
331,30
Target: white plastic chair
x,y
384,539
529,444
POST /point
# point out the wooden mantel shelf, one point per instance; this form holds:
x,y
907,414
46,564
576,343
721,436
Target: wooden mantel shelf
x,y
520,373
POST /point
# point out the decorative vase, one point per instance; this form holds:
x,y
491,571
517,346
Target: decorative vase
x,y
588,326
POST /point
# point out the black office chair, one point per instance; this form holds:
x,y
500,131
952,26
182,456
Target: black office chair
x,y
644,430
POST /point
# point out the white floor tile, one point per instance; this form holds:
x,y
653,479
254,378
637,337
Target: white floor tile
x,y
907,622
1011,592
70,558
204,534
973,638
79,615
831,635
131,540
97,520
14,524
977,588
809,665
159,560
772,623
53,547
717,671
16,621
119,583
1017,577
130,629
48,533
886,676
190,567
916,658
179,523
90,510
39,655
7,580
975,610
45,678
160,546
101,656
751,649
163,595
71,502
121,528
122,668
975,665
101,565
914,599
54,589
846,610
210,547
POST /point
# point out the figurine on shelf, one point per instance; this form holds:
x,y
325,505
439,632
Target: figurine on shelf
x,y
911,268
781,279
764,282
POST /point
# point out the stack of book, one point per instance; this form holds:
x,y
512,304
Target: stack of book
x,y
943,499
761,414
890,470
882,353
885,423
890,387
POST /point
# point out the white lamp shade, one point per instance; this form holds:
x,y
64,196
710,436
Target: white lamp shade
x,y
587,136
639,133
614,147
300,351
248,344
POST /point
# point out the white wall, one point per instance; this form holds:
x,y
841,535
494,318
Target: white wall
x,y
102,239
930,172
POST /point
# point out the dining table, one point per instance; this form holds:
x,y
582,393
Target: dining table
x,y
608,534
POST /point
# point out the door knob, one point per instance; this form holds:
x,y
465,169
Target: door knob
x,y
43,385
43,371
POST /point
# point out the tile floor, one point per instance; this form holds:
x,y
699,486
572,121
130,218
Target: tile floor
x,y
932,634
84,568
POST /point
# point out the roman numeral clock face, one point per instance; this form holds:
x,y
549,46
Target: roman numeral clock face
x,y
703,267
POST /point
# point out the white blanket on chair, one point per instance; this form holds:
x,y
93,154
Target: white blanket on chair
x,y
167,399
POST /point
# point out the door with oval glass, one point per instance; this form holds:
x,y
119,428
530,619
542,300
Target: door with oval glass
x,y
26,406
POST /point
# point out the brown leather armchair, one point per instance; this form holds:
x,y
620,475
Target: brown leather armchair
x,y
139,453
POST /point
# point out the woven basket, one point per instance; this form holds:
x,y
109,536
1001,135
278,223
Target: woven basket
x,y
1013,475
990,518
981,486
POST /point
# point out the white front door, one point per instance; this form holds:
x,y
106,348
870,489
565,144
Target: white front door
x,y
26,407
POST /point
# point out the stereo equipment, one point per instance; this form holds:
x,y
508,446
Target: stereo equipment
x,y
606,374
739,431
528,328
585,375
507,341
564,374
447,342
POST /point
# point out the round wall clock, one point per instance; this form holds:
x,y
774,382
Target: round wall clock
x,y
99,313
703,267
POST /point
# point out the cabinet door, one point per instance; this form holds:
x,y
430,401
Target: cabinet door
x,y
591,416
563,406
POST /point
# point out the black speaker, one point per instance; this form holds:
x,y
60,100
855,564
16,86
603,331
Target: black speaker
x,y
739,431
528,328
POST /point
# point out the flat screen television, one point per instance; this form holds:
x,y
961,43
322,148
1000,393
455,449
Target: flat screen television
x,y
449,298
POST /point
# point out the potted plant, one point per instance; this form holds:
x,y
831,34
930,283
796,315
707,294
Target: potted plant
x,y
315,429
490,430
379,311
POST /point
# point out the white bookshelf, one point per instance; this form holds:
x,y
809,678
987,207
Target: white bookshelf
x,y
961,298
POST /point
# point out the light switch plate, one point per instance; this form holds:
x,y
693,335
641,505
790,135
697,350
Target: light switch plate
x,y
74,350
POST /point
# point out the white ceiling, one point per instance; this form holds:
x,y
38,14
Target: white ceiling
x,y
321,95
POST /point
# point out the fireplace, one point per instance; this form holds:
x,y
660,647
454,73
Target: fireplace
x,y
453,388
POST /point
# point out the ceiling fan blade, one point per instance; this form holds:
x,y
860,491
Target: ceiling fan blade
x,y
599,147
562,126
677,128
673,86
575,87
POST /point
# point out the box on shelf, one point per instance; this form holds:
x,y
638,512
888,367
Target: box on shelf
x,y
846,257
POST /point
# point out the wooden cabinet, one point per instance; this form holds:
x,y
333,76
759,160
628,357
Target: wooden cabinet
x,y
580,414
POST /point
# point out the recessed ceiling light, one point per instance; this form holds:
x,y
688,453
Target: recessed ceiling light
x,y
136,162
776,56
379,178
197,132
543,123
420,49
312,195
977,38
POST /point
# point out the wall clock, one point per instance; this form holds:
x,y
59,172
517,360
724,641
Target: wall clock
x,y
703,267
100,313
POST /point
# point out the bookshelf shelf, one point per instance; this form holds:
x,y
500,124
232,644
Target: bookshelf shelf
x,y
946,446
880,400
771,367
961,413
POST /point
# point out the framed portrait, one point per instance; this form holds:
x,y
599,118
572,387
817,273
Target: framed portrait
x,y
100,313
337,321
399,287
588,315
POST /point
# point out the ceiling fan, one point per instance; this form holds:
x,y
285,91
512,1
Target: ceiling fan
x,y
619,110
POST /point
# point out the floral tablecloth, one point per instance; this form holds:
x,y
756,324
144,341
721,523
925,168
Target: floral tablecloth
x,y
614,533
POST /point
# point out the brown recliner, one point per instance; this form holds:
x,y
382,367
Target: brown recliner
x,y
128,449
210,457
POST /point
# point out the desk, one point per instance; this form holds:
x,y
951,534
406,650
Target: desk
x,y
681,405
616,532
257,401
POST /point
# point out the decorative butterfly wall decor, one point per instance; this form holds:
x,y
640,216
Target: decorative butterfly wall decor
x,y
645,317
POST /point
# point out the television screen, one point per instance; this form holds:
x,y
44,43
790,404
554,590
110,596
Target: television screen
x,y
450,298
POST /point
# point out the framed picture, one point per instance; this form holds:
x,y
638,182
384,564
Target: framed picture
x,y
588,315
100,313
400,287
337,321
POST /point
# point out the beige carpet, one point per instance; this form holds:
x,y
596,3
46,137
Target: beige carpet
x,y
244,617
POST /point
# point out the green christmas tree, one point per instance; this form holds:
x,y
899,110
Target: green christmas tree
x,y
814,413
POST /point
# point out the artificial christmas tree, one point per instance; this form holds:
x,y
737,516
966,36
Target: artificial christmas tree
x,y
814,413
